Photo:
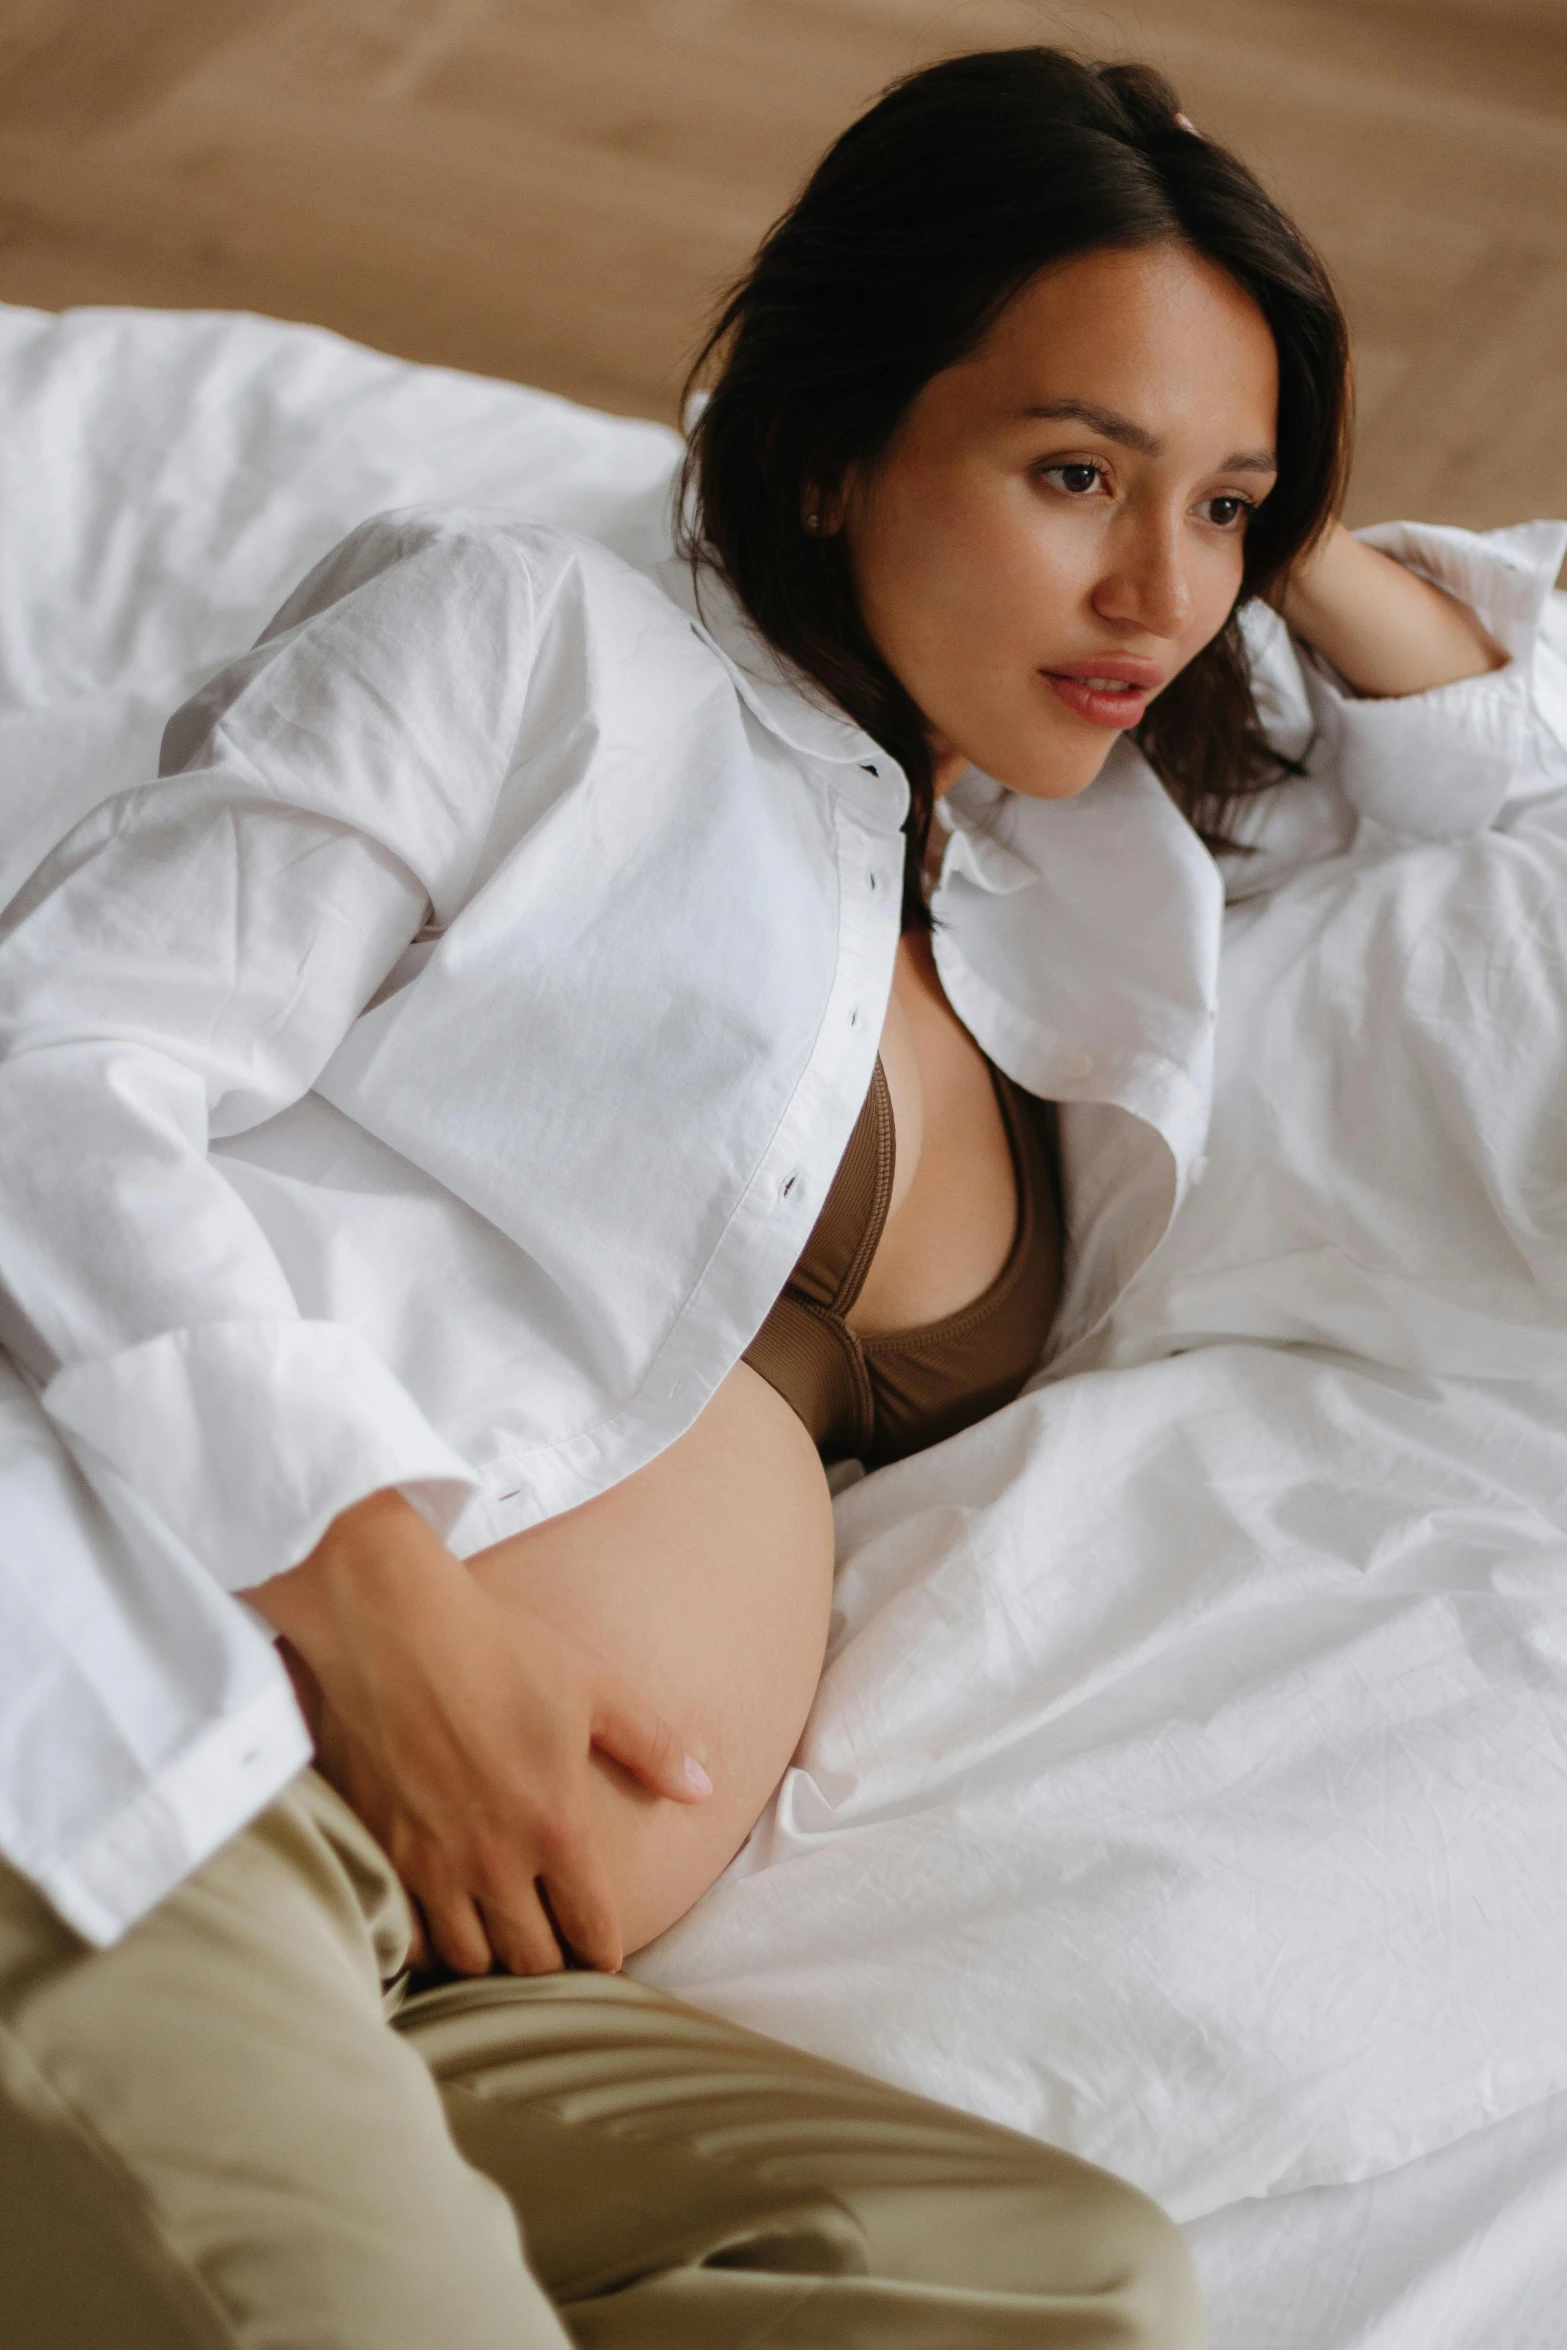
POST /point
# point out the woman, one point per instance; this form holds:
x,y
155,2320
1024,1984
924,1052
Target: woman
x,y
598,908
940,471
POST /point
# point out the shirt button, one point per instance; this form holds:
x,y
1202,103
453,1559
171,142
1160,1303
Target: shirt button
x,y
873,882
789,1184
1081,1065
854,1015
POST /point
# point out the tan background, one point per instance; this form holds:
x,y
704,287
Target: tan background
x,y
555,189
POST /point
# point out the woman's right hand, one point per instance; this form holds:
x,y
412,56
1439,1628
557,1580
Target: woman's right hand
x,y
460,1731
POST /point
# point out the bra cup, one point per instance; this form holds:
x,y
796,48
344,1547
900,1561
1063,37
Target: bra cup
x,y
929,1383
832,1266
880,1398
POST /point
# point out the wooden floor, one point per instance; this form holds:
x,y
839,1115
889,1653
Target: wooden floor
x,y
555,189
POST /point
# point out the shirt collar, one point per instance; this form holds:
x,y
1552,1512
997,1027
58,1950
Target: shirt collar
x,y
1079,940
788,703
978,815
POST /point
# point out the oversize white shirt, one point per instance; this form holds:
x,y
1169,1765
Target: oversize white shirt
x,y
433,1078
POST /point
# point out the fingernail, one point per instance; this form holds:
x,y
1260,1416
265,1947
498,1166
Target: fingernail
x,y
696,1778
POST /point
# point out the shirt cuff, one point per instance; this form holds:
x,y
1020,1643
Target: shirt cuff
x,y
1439,765
246,1439
217,1786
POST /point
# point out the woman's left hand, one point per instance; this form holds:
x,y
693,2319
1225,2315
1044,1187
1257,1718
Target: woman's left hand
x,y
1385,630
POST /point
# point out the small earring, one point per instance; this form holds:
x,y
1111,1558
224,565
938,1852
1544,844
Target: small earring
x,y
813,523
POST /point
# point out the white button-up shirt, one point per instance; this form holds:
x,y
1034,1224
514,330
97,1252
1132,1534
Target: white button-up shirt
x,y
433,1078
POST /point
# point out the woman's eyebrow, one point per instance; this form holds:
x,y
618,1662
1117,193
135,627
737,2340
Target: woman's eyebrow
x,y
1112,426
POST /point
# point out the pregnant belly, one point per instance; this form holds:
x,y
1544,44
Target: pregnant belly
x,y
705,1580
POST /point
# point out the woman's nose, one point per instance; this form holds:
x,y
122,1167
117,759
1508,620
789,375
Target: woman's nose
x,y
1146,583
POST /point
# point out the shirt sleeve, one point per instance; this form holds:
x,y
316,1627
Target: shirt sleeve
x,y
181,969
144,1716
1442,764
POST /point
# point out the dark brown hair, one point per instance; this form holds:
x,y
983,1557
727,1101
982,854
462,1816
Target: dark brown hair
x,y
912,234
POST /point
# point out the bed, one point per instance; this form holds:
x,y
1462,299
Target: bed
x,y
1189,1779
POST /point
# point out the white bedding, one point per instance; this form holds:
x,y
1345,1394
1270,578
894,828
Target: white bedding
x,y
1189,1782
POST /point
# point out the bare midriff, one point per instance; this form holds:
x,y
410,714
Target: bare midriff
x,y
706,1577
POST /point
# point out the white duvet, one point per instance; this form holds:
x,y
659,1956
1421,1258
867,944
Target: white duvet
x,y
1189,1780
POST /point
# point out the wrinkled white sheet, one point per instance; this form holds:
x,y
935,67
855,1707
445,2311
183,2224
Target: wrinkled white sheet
x,y
1188,1784
1189,1781
1464,2250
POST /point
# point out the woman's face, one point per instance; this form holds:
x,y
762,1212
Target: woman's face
x,y
1057,525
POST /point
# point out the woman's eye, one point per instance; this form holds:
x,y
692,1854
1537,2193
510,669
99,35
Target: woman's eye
x,y
1226,512
1076,479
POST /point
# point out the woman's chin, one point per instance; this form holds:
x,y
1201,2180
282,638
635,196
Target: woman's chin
x,y
1067,770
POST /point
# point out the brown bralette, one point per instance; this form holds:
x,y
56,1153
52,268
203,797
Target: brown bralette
x,y
878,1398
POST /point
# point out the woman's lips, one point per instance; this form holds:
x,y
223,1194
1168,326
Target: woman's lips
x,y
1100,697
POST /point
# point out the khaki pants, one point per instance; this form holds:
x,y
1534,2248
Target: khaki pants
x,y
209,2136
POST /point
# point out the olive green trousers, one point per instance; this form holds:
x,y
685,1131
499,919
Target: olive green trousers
x,y
215,2137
